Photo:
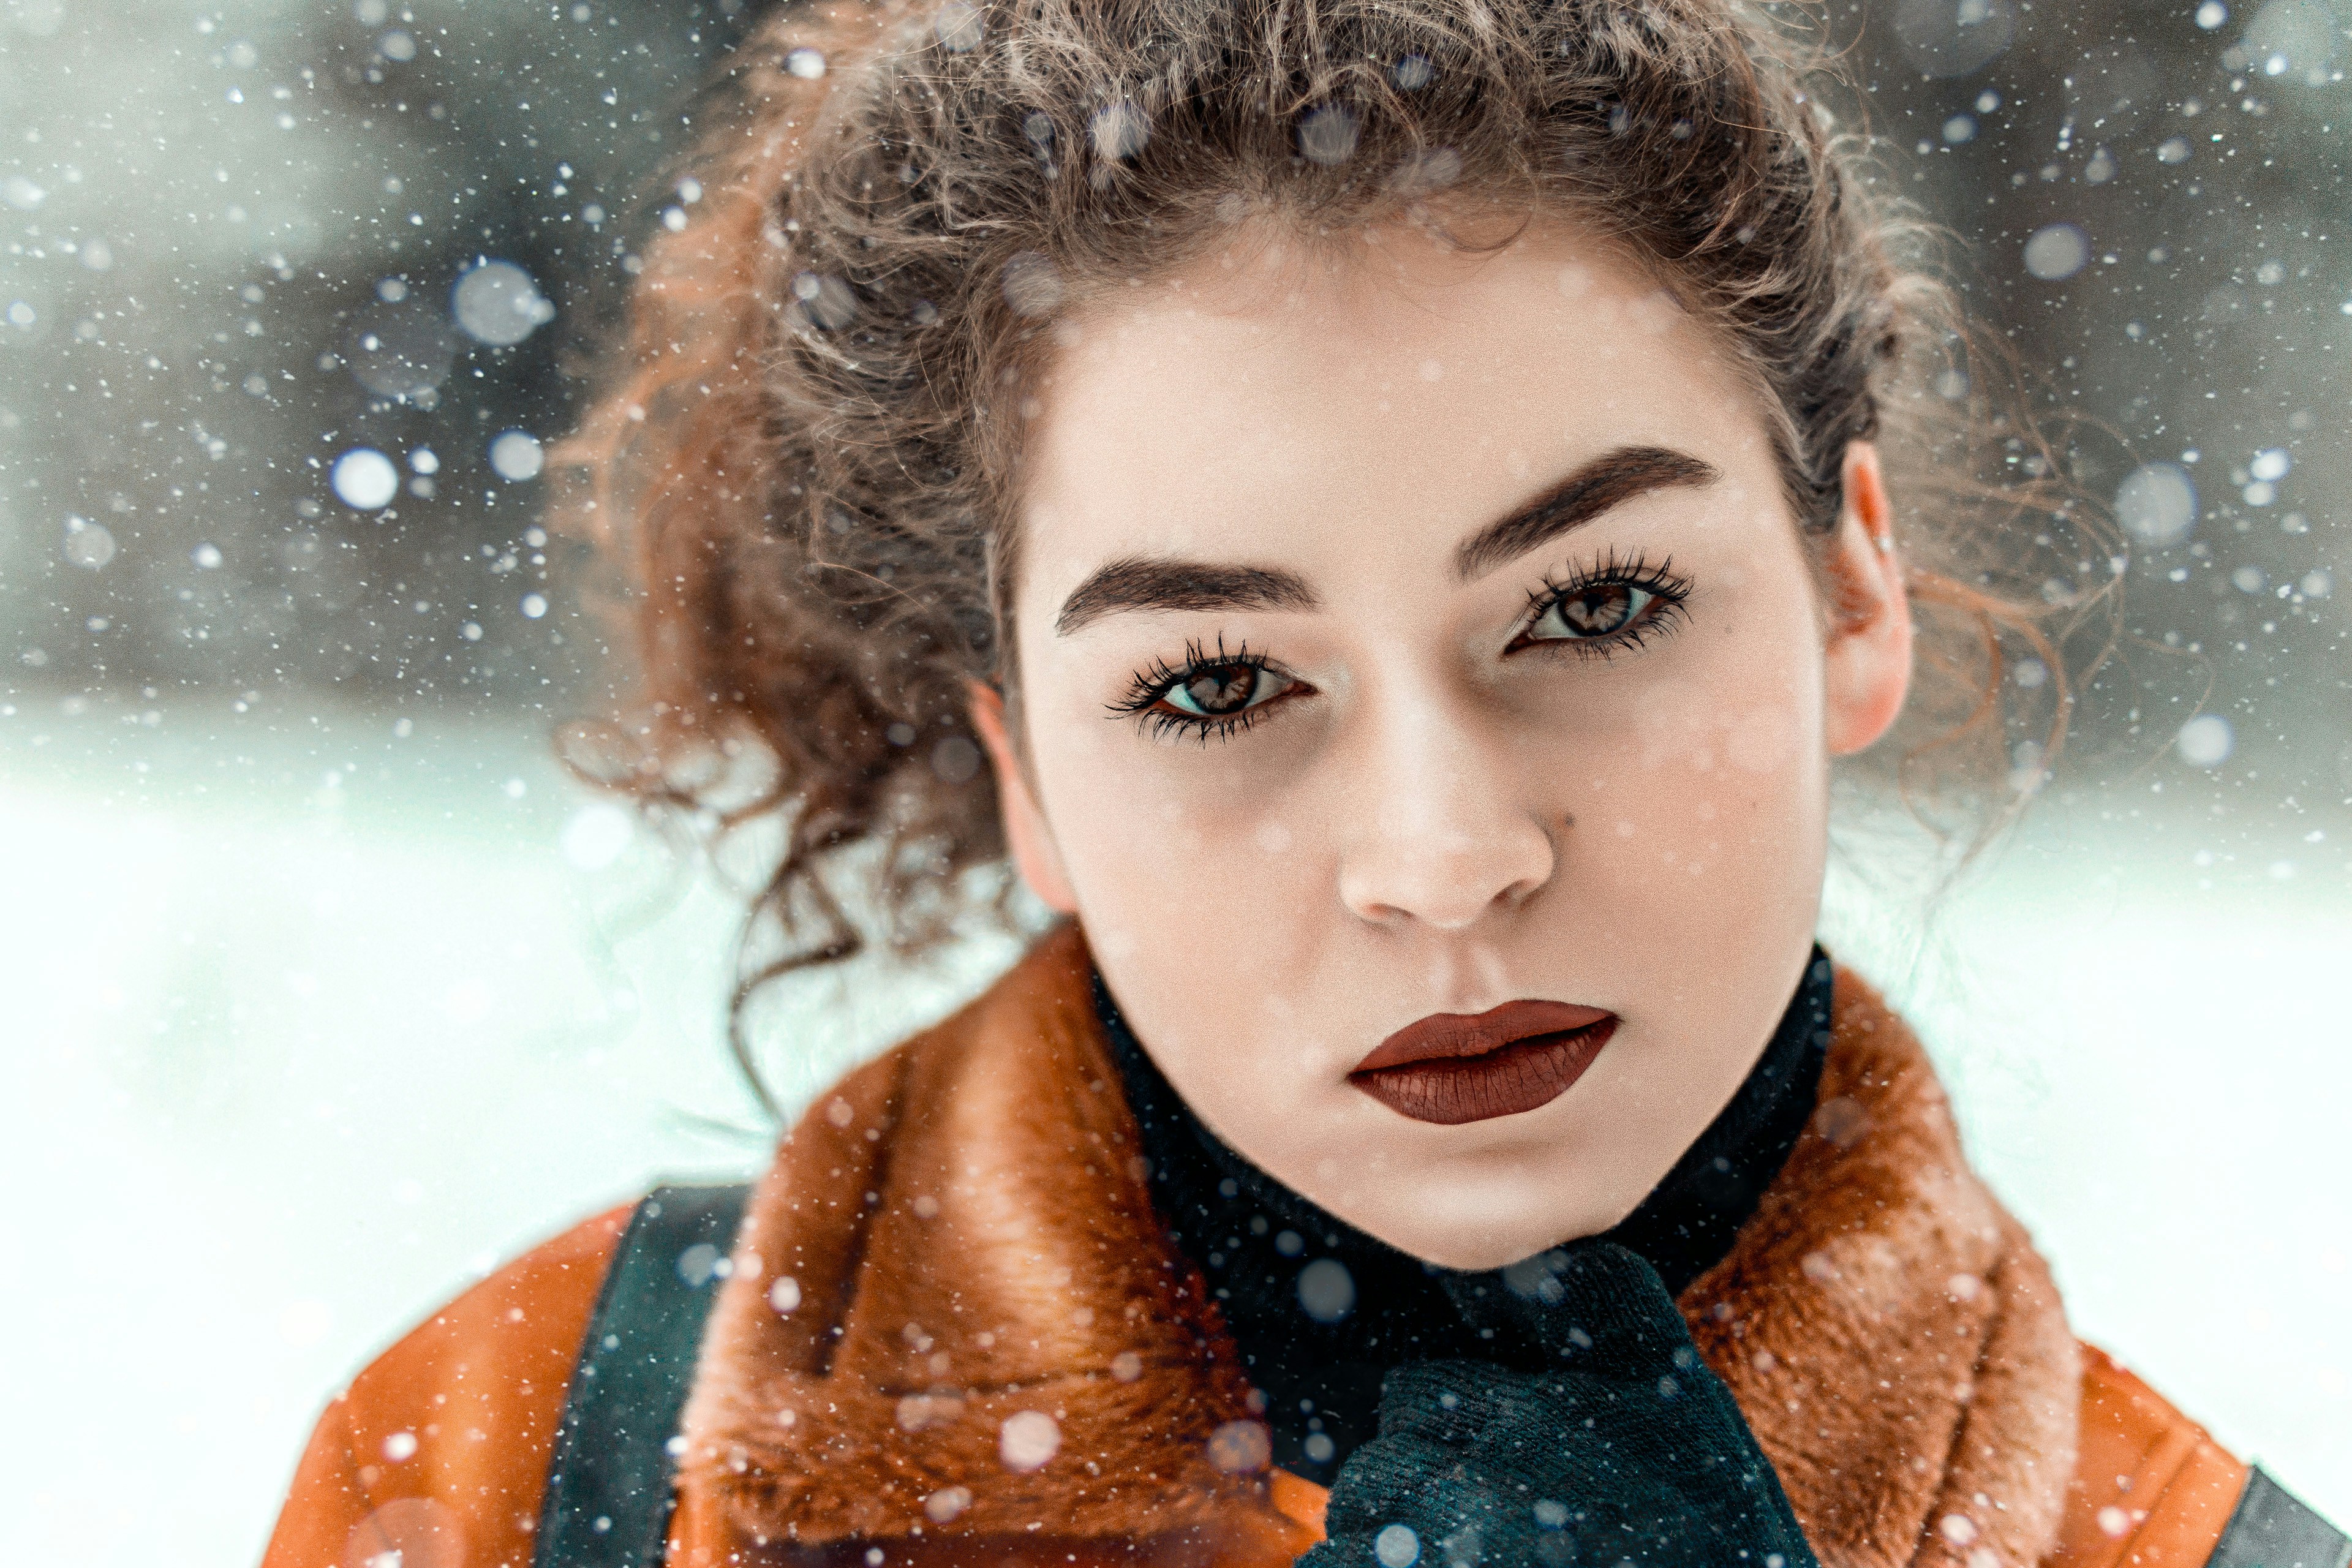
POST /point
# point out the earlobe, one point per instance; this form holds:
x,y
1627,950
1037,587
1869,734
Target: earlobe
x,y
1027,836
1867,657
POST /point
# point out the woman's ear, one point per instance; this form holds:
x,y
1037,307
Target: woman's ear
x,y
1867,658
1034,855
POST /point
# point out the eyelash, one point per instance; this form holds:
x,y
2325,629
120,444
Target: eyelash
x,y
1668,589
1150,688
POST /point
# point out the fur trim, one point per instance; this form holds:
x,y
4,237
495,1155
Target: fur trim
x,y
953,1312
1888,1331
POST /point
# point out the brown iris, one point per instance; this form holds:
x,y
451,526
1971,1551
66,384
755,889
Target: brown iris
x,y
1600,609
1218,689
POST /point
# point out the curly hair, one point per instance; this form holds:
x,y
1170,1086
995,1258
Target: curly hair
x,y
807,451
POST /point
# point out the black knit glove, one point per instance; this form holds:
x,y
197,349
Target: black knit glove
x,y
1595,1437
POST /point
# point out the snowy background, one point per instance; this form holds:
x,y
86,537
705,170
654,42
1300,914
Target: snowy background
x,y
322,988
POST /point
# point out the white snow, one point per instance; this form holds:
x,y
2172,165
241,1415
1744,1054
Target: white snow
x,y
364,479
517,454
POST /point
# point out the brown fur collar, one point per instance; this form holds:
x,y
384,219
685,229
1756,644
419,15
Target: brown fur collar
x,y
971,1280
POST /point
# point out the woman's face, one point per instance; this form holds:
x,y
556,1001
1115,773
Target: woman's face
x,y
1404,633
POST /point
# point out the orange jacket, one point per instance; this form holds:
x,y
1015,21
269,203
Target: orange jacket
x,y
966,1237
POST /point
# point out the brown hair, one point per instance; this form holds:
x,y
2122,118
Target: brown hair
x,y
807,453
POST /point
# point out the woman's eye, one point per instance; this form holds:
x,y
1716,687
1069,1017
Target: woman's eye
x,y
1222,691
1594,611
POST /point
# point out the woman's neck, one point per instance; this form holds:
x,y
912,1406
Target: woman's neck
x,y
1320,1311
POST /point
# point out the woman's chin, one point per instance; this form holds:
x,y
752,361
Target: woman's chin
x,y
1472,1255
1481,1230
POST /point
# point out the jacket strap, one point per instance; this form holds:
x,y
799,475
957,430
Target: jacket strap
x,y
2272,1528
609,1479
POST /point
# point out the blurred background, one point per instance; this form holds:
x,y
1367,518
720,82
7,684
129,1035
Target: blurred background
x,y
323,986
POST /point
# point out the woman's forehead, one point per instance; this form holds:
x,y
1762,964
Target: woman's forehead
x,y
1364,304
1270,390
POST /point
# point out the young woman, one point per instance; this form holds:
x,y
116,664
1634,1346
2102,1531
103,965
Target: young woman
x,y
1378,511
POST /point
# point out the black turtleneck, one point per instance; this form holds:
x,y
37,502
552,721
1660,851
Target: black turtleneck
x,y
1321,1311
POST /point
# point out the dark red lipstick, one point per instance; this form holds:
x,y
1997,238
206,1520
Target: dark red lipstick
x,y
1452,1067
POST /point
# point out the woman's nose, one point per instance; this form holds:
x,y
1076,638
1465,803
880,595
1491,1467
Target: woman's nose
x,y
1449,834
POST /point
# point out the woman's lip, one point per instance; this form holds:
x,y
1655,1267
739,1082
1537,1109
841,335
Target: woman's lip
x,y
1444,1035
1449,1068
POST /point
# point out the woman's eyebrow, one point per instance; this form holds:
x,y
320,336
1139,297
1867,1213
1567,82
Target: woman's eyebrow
x,y
1157,583
1162,583
1609,481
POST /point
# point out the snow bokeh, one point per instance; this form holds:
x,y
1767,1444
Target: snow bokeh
x,y
323,988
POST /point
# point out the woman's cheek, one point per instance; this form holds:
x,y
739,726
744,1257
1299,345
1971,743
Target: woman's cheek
x,y
1674,732
1182,857
1714,802
1762,740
